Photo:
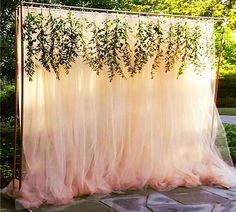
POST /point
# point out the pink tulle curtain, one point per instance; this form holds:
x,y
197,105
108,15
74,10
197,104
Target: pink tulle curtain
x,y
86,135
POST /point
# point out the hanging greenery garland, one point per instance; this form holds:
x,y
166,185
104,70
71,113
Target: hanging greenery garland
x,y
196,48
56,31
56,42
146,44
96,44
170,53
29,28
159,48
111,38
70,43
185,48
43,46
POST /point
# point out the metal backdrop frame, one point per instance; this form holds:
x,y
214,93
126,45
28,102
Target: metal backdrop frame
x,y
19,45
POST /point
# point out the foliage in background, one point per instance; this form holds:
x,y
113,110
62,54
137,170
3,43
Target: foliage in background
x,y
227,85
6,150
231,137
7,100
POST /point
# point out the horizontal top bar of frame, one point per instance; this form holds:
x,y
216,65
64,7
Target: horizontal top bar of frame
x,y
34,4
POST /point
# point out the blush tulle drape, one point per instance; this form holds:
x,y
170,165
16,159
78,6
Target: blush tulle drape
x,y
85,135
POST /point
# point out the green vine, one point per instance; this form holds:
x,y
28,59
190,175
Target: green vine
x,y
96,44
82,25
29,30
123,44
145,45
108,45
56,28
56,42
159,51
171,53
70,46
179,30
43,45
112,47
196,48
185,48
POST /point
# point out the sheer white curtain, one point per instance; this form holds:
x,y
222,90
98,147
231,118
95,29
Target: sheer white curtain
x,y
85,135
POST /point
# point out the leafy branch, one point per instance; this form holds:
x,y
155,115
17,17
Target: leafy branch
x,y
145,45
159,51
29,28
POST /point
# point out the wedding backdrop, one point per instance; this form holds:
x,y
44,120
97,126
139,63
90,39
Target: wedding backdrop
x,y
115,101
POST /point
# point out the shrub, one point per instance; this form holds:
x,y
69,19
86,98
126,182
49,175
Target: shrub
x,y
231,136
226,101
7,100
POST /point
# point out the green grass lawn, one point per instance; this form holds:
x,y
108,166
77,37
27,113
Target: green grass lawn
x,y
227,111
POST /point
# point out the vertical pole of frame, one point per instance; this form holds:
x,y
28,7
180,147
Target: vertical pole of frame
x,y
16,97
22,96
219,61
216,86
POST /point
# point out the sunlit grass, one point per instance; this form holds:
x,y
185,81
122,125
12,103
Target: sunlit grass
x,y
227,111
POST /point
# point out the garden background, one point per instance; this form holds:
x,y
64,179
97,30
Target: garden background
x,y
227,86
